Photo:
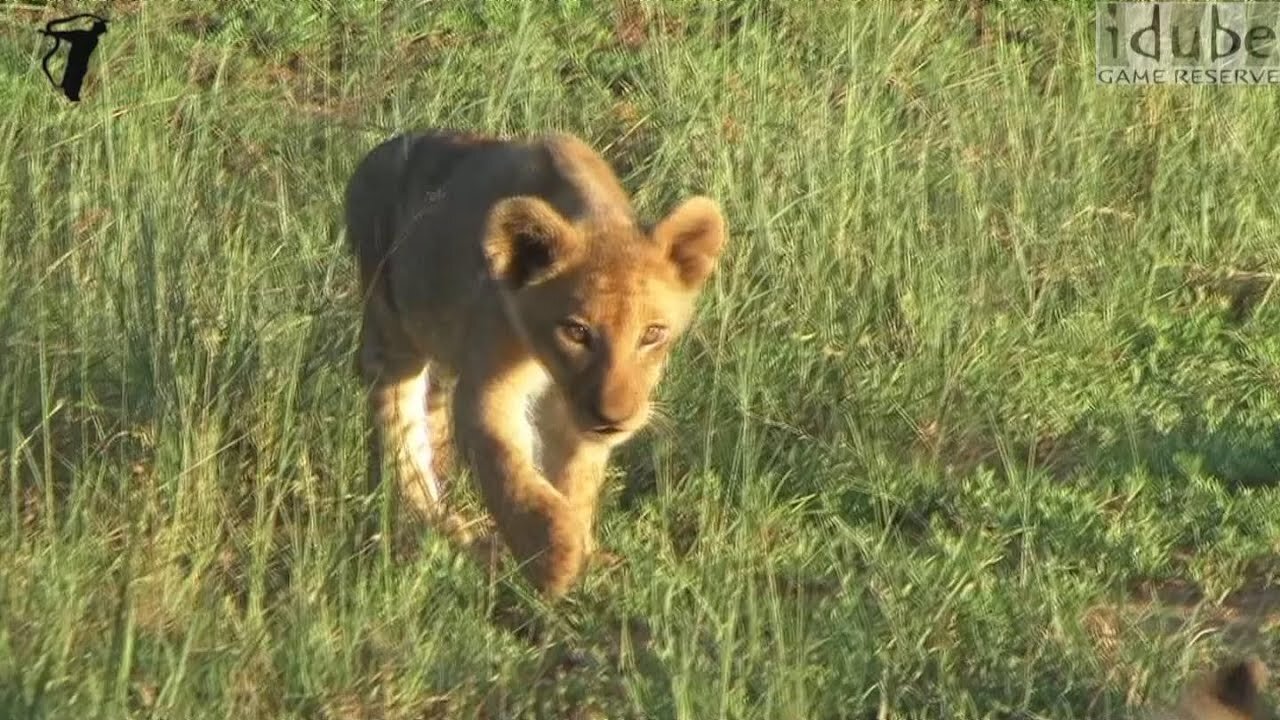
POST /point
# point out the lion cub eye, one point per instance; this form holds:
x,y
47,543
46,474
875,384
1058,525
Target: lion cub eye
x,y
653,334
577,333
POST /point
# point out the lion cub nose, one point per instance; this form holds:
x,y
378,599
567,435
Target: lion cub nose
x,y
608,417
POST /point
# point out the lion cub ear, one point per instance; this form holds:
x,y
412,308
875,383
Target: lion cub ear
x,y
1239,685
1232,690
526,241
693,236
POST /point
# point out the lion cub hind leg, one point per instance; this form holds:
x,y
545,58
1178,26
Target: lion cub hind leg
x,y
397,381
440,427
402,422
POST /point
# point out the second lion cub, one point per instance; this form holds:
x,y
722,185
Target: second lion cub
x,y
516,273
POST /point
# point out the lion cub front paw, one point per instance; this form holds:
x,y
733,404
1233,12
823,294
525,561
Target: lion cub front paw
x,y
553,553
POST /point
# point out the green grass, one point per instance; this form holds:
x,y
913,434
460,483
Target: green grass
x,y
978,419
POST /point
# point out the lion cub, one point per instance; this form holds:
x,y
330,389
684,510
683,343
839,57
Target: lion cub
x,y
1232,691
515,275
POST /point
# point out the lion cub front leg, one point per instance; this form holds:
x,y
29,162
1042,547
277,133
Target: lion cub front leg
x,y
574,467
541,527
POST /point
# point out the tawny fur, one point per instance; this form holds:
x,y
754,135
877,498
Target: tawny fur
x,y
515,276
1231,691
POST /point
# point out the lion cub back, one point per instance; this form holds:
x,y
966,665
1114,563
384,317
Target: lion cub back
x,y
398,175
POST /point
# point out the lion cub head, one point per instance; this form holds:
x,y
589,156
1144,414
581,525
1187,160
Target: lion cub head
x,y
1232,691
600,301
